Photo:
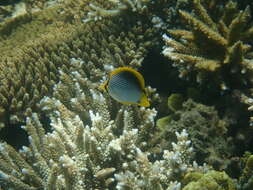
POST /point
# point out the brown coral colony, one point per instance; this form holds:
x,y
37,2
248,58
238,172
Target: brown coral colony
x,y
218,46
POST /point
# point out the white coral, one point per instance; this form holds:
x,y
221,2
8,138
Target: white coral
x,y
142,173
97,12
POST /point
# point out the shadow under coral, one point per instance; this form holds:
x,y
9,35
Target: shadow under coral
x,y
17,137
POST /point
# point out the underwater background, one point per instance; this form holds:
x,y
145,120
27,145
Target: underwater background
x,y
59,131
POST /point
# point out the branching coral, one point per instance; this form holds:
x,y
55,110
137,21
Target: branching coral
x,y
93,145
29,71
120,7
219,46
207,131
73,152
93,142
155,175
79,156
248,100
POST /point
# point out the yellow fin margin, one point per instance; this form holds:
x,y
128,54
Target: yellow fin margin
x,y
144,101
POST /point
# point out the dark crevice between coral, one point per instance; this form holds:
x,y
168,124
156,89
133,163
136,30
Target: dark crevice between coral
x,y
159,73
243,4
9,2
233,77
14,135
45,121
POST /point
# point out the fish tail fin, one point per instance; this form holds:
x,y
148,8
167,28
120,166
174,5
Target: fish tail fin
x,y
144,101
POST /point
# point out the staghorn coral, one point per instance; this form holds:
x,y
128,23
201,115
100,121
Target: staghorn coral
x,y
11,9
174,165
247,99
95,152
93,145
77,157
94,142
121,6
216,48
32,60
72,148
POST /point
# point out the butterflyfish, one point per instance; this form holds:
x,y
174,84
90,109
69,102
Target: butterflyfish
x,y
126,86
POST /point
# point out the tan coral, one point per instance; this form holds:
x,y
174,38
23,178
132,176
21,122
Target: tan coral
x,y
80,153
30,65
104,154
219,47
117,7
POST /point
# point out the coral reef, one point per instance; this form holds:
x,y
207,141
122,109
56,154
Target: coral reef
x,y
11,9
210,181
213,48
95,151
207,130
54,56
121,6
246,179
247,99
30,68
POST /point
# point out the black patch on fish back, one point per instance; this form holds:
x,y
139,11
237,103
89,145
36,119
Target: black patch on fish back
x,y
128,78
